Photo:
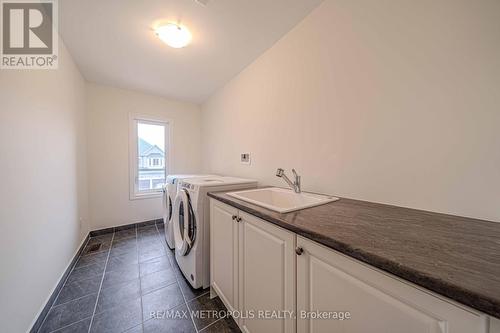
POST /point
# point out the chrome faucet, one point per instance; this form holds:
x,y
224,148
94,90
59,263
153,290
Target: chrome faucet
x,y
294,185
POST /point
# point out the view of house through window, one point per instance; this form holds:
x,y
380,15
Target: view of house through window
x,y
151,167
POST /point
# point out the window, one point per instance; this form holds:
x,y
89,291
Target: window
x,y
149,156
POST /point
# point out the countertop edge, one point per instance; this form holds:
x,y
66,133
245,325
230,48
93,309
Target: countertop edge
x,y
466,297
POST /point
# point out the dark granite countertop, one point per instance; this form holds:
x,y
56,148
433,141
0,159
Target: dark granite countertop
x,y
456,257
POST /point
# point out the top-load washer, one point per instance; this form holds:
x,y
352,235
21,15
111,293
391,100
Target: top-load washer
x,y
169,194
191,224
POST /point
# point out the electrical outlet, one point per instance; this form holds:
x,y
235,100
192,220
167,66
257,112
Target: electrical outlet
x,y
245,158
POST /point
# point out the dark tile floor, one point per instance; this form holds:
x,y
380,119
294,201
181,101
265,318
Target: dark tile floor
x,y
122,280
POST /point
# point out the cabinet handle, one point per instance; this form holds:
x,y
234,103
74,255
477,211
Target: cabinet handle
x,y
299,250
238,219
234,217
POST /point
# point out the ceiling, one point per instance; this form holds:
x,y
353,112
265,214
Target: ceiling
x,y
113,43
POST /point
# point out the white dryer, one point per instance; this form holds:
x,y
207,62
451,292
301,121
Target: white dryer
x,y
169,194
191,224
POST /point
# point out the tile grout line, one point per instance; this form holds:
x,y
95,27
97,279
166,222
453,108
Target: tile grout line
x,y
80,280
178,285
157,288
187,305
74,299
212,323
66,326
63,285
140,278
182,292
102,279
87,255
187,302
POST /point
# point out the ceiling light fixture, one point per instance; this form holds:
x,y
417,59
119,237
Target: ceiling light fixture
x,y
174,35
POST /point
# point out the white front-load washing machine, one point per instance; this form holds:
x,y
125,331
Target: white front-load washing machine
x,y
169,194
191,224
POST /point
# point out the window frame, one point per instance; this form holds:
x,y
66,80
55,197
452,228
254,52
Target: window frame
x,y
134,120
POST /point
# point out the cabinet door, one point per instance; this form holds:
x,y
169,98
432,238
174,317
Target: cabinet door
x,y
266,276
224,253
377,302
494,325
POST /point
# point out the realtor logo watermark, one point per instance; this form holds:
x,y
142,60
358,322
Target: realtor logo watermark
x,y
29,34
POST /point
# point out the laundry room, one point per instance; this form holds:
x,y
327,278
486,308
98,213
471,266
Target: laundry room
x,y
293,166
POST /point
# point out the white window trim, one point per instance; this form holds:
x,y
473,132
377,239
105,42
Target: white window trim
x,y
133,150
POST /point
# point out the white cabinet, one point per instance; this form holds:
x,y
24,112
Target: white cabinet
x,y
377,302
224,253
266,276
494,325
253,269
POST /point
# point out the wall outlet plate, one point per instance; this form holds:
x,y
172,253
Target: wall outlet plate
x,y
245,158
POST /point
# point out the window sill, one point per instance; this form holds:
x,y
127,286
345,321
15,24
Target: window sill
x,y
141,196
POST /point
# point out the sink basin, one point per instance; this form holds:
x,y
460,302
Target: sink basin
x,y
282,200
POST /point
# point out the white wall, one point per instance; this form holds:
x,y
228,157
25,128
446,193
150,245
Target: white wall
x,y
43,190
108,159
393,101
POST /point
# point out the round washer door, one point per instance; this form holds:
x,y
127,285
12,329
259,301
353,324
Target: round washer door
x,y
184,224
169,203
168,213
165,211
